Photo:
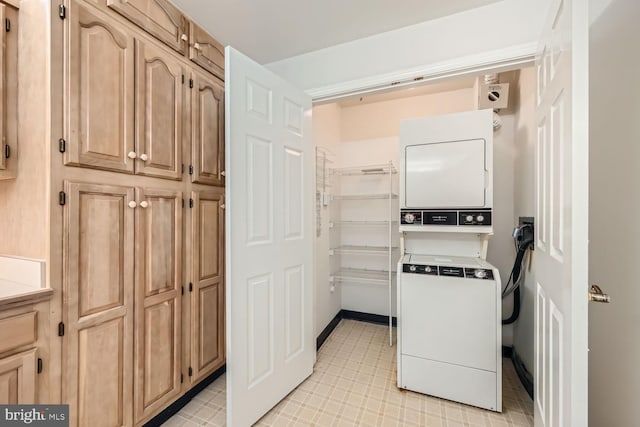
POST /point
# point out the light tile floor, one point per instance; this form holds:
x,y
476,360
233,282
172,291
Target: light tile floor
x,y
354,384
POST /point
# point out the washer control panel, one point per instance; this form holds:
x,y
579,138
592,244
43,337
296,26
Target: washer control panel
x,y
460,217
442,270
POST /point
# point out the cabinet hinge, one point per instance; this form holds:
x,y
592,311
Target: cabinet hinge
x,y
191,83
7,151
190,169
183,203
183,79
62,198
181,378
183,168
190,287
191,203
62,11
62,145
190,371
60,329
182,290
39,365
7,25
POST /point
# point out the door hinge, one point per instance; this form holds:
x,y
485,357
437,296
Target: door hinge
x,y
7,151
62,11
39,365
62,145
181,378
191,203
62,198
60,329
190,287
190,83
190,371
190,169
7,25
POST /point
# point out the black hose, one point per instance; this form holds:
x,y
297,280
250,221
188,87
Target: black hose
x,y
516,308
515,276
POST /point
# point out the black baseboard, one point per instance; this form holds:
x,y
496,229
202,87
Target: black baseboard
x,y
327,331
525,376
507,352
175,407
368,317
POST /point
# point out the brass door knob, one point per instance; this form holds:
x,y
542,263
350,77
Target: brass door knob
x,y
596,295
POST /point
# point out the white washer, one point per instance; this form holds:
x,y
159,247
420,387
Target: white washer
x,y
449,329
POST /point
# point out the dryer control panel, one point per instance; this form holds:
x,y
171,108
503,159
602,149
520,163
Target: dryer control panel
x,y
466,217
442,270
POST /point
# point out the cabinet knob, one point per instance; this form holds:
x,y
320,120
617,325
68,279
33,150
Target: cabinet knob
x,y
196,46
144,157
132,204
222,206
223,173
183,37
132,155
144,204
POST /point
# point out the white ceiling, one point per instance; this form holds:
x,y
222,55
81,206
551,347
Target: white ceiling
x,y
271,30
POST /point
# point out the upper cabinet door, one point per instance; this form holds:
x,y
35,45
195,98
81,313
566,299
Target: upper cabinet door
x,y
158,17
206,51
8,93
207,131
99,95
159,112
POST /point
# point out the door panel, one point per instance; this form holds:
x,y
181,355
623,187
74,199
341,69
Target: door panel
x,y
207,130
562,205
270,259
159,112
158,299
18,378
98,289
206,51
207,339
160,18
99,99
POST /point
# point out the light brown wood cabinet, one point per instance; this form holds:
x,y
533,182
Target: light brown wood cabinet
x,y
159,18
18,378
8,91
158,299
207,305
160,96
206,51
207,130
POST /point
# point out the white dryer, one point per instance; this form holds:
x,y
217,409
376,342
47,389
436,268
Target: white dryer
x,y
449,329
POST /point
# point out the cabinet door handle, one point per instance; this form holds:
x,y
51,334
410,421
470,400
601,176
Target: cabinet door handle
x,y
223,173
144,157
133,204
222,206
196,46
183,37
144,204
132,155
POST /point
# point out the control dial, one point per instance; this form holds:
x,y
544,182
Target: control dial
x,y
469,218
412,268
409,218
480,274
427,269
480,218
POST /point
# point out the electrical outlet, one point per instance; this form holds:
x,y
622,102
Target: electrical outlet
x,y
530,221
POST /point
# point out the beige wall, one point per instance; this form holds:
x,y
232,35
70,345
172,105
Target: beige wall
x,y
614,233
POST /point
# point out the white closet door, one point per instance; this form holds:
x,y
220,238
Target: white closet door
x,y
269,195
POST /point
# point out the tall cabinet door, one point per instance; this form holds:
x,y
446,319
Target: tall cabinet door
x,y
99,97
98,291
158,17
159,112
207,309
158,299
207,130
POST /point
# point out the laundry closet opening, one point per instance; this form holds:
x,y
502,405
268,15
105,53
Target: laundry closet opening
x,y
353,242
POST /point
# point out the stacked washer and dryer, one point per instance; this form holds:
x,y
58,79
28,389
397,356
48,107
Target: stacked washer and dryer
x,y
449,297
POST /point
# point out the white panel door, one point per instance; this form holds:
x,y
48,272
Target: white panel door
x,y
562,229
269,197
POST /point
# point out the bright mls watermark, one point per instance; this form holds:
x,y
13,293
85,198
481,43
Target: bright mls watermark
x,y
34,415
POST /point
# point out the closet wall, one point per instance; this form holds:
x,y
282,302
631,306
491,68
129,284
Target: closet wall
x,y
369,134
